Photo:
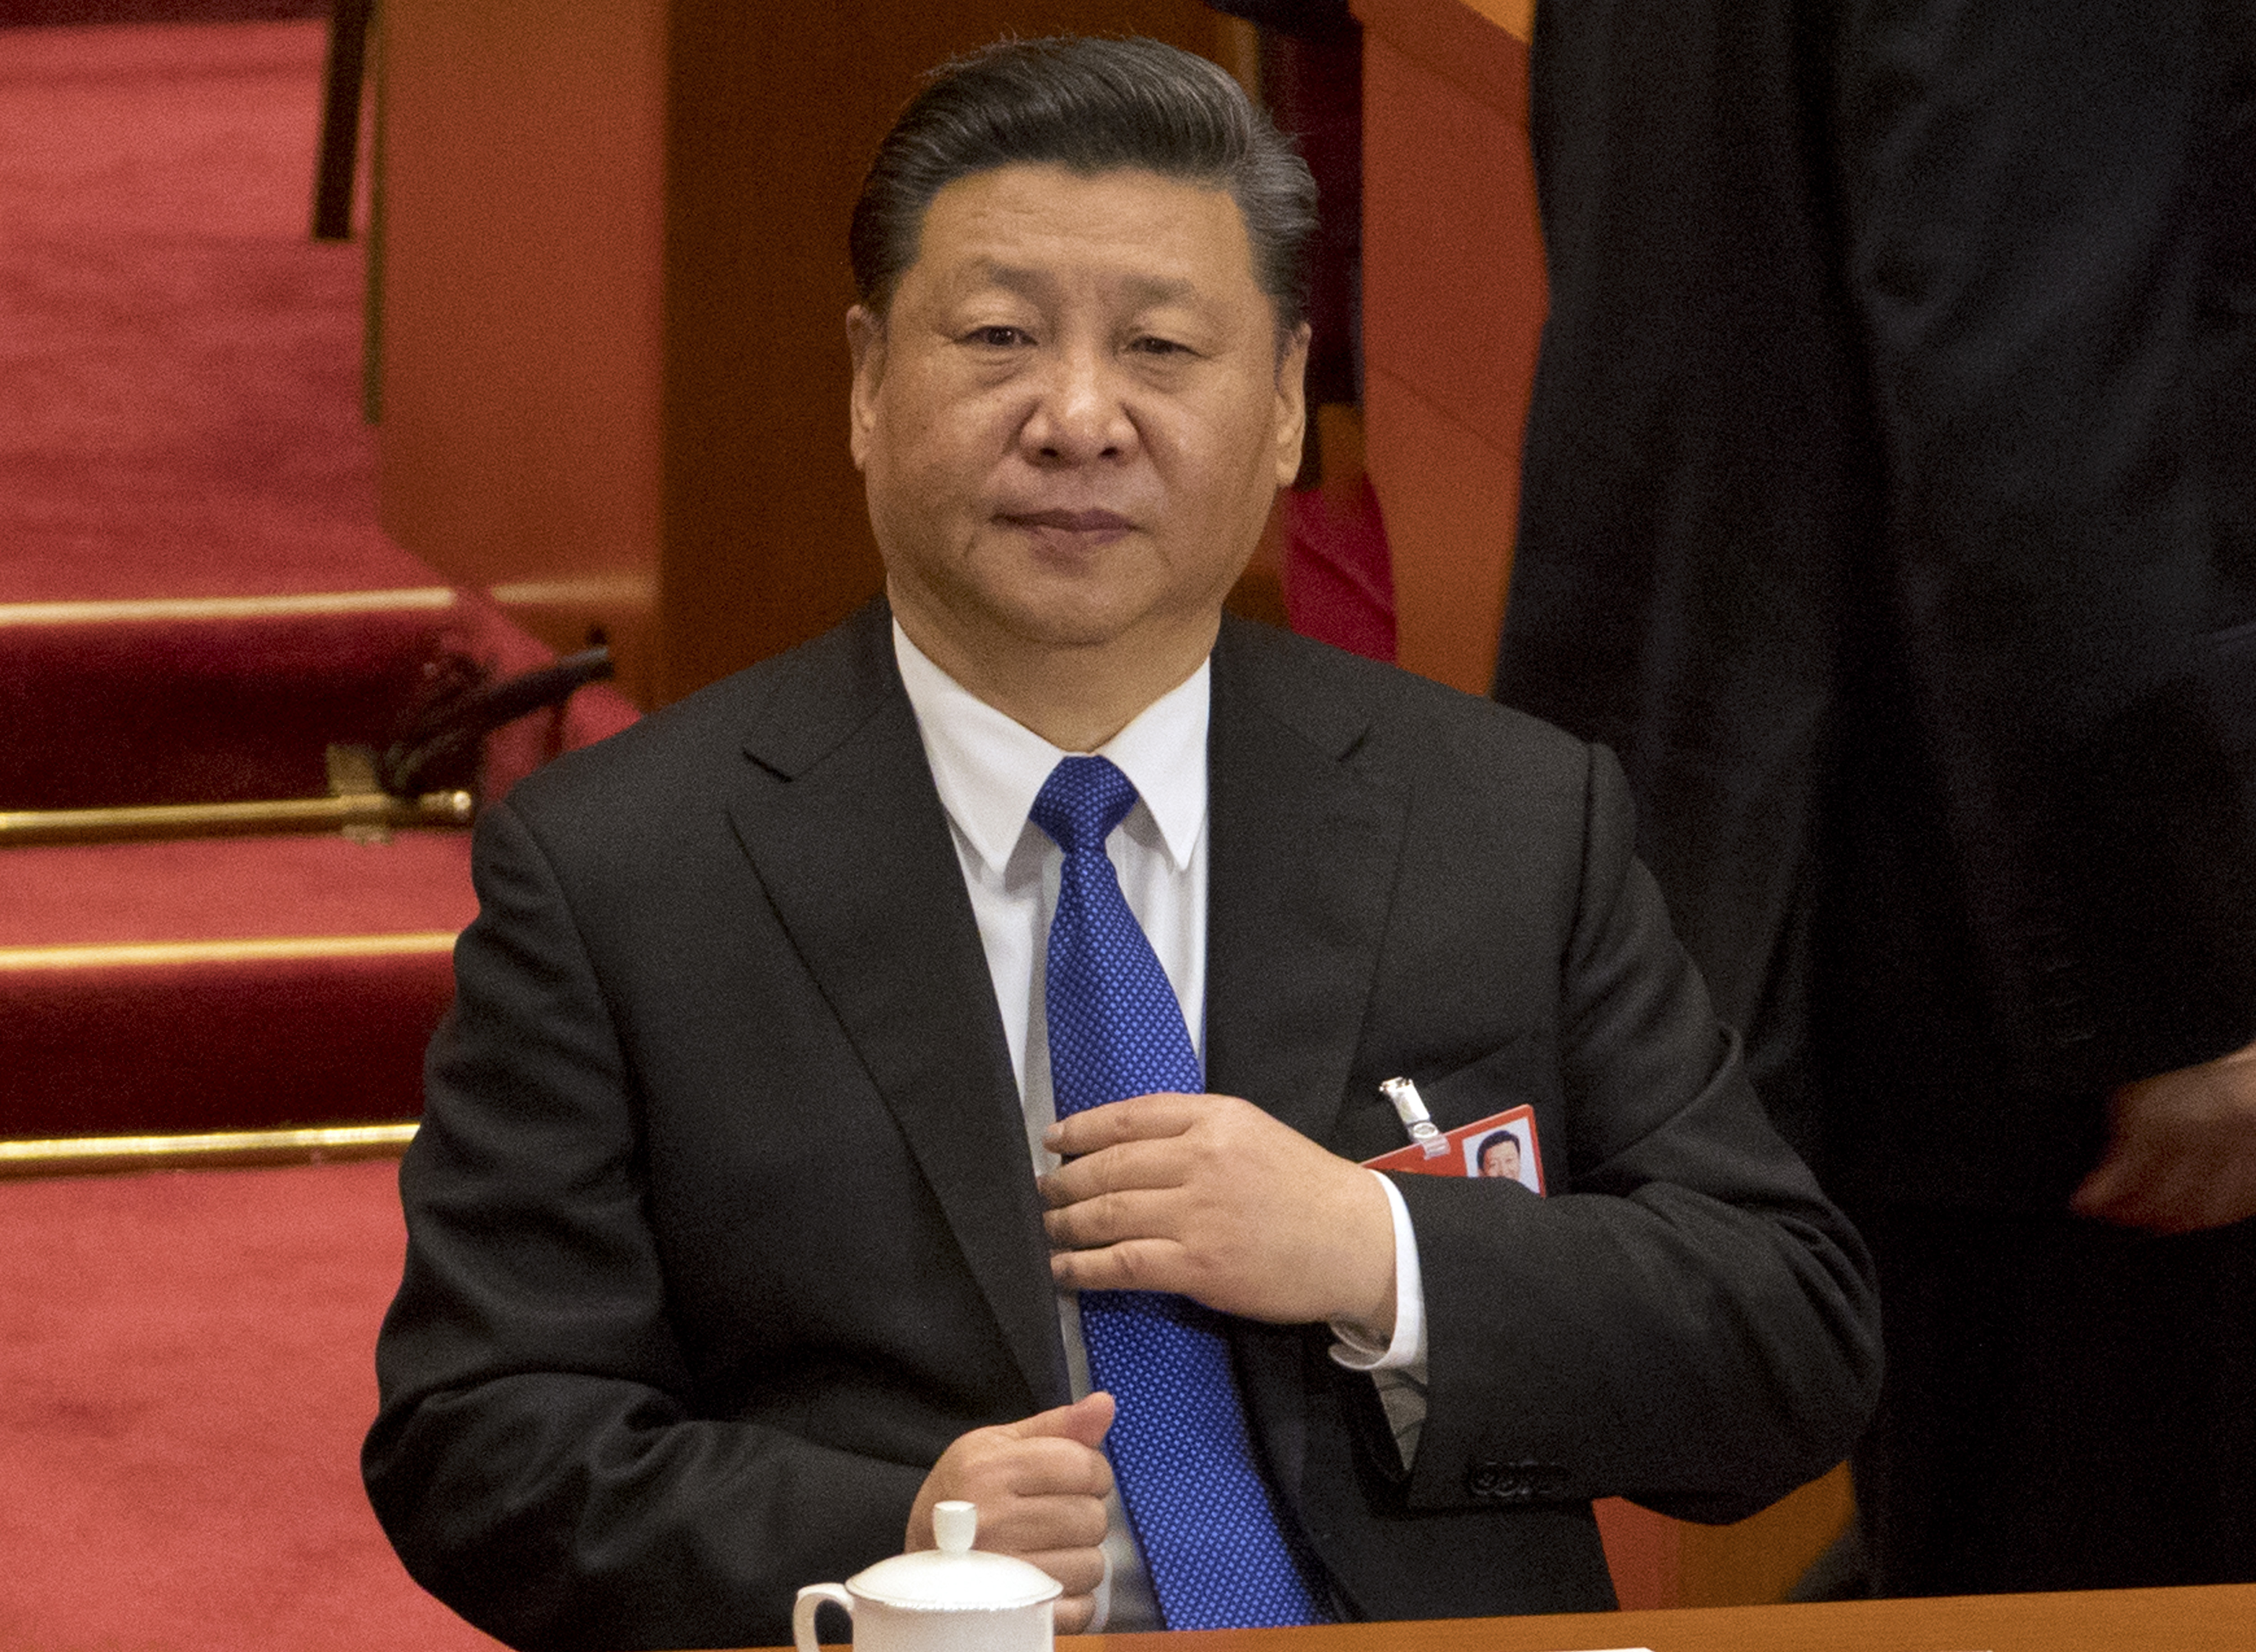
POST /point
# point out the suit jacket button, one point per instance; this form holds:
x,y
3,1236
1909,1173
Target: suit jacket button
x,y
1484,1478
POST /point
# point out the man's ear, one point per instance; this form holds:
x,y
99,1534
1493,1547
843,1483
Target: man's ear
x,y
865,339
1292,404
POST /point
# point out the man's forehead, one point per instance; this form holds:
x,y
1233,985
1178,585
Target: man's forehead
x,y
1060,177
1070,208
1034,282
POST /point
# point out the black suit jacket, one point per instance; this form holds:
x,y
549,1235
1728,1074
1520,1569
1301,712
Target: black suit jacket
x,y
1890,505
722,1223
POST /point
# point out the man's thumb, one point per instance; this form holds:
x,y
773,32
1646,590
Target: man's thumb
x,y
1084,1420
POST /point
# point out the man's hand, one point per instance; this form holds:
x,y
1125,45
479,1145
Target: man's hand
x,y
1040,1487
1210,1198
2181,1150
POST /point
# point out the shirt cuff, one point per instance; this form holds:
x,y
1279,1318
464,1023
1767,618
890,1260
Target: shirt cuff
x,y
1104,1614
1355,1347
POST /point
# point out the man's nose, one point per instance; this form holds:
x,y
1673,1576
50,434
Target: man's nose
x,y
1080,415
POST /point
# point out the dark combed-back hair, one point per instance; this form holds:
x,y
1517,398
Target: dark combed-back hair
x,y
1092,106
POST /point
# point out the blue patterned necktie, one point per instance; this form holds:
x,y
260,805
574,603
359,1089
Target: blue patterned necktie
x,y
1203,1516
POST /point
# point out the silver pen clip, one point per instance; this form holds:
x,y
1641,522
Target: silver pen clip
x,y
1410,1108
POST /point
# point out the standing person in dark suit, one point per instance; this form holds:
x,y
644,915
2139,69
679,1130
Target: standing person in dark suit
x,y
741,1226
1890,507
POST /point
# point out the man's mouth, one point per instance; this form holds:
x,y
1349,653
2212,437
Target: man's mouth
x,y
1070,521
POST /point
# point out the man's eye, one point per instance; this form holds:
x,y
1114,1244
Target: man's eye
x,y
1151,346
996,337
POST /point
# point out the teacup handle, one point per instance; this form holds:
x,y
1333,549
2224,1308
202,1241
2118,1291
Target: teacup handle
x,y
803,1610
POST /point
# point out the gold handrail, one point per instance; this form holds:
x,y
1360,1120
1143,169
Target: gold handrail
x,y
372,812
83,1155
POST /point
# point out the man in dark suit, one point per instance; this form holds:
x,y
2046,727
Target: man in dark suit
x,y
740,1227
1890,505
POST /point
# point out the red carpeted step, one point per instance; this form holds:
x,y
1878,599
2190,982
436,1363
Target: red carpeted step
x,y
186,1371
226,983
249,983
110,703
219,700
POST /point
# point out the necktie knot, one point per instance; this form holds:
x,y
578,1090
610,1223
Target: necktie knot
x,y
1082,802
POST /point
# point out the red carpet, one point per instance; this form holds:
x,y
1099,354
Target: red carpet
x,y
185,1373
223,984
180,418
108,711
180,365
46,11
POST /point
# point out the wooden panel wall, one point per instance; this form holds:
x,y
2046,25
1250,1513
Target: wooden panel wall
x,y
615,371
1453,302
524,167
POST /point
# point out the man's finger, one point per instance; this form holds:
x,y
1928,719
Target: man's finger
x,y
1139,1118
1079,1570
2101,1192
1031,1526
1030,1468
1084,1422
1130,1265
1111,1219
2154,1191
1149,1162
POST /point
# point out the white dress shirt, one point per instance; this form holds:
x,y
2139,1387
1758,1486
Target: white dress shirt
x,y
989,769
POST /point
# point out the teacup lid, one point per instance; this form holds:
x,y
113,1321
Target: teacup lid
x,y
955,1577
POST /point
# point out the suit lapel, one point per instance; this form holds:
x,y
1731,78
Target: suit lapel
x,y
1302,870
850,842
1301,874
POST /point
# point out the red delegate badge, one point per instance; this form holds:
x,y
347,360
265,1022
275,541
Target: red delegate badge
x,y
1502,1144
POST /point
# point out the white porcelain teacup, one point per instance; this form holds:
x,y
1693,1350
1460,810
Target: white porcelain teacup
x,y
952,1598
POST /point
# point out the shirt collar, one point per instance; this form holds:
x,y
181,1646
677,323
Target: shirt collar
x,y
988,768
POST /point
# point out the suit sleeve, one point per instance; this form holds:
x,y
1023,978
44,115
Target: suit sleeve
x,y
539,1460
1690,1323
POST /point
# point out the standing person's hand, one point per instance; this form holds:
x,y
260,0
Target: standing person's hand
x,y
2181,1150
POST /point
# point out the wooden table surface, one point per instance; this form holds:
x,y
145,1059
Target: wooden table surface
x,y
2214,1619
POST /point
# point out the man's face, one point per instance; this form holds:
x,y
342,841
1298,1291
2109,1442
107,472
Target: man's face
x,y
1074,418
1501,1159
